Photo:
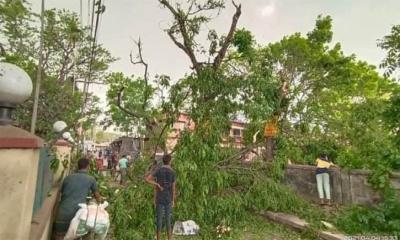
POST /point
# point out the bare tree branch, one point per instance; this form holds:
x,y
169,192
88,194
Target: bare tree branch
x,y
224,48
2,50
191,7
145,74
237,69
167,124
140,60
64,70
119,105
145,77
166,3
187,45
148,123
177,43
92,82
199,9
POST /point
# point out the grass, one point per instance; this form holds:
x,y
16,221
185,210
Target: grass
x,y
257,228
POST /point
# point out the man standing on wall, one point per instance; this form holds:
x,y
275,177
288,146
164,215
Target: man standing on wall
x,y
74,190
163,180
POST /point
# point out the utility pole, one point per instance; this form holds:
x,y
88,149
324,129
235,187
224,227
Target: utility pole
x,y
77,51
81,12
39,73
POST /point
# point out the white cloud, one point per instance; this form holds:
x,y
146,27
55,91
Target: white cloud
x,y
268,9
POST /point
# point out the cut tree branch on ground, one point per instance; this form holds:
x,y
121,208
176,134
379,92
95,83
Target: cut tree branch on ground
x,y
239,154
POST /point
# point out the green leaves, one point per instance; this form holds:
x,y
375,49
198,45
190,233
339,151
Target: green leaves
x,y
244,41
322,33
380,219
392,115
136,95
391,43
67,54
326,101
16,24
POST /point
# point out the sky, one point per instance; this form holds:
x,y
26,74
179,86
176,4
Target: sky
x,y
357,25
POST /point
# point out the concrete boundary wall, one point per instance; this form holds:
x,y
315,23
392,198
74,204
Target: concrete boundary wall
x,y
42,221
347,186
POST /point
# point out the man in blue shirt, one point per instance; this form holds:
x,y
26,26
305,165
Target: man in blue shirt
x,y
74,190
163,180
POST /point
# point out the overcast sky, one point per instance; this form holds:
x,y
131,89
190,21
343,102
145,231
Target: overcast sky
x,y
357,24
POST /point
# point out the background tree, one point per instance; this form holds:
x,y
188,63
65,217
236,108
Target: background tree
x,y
318,93
132,99
67,54
391,44
391,64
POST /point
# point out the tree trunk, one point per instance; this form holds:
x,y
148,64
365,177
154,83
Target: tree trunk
x,y
270,148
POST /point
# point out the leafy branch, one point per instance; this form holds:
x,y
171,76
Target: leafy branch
x,y
187,25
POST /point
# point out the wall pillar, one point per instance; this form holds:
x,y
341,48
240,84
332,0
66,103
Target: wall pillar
x,y
19,158
63,153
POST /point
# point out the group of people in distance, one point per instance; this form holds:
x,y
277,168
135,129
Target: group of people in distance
x,y
109,161
77,187
105,159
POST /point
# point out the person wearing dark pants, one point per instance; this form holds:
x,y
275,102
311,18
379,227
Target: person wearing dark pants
x,y
74,190
163,180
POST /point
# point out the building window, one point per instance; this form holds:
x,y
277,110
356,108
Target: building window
x,y
237,133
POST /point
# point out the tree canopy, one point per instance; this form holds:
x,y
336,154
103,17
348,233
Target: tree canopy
x,y
67,54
